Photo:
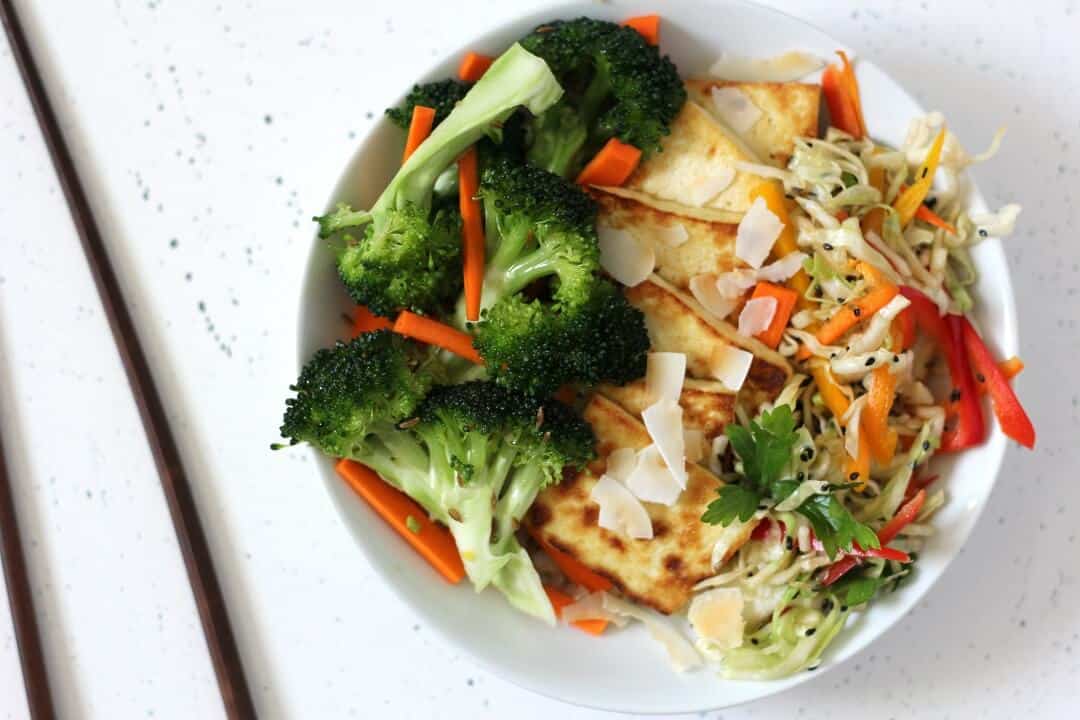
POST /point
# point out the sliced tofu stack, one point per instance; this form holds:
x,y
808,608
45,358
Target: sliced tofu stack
x,y
677,323
707,405
784,111
659,572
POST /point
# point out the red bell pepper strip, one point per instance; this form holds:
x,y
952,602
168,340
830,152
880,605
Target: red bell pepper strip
x,y
907,513
968,428
1010,413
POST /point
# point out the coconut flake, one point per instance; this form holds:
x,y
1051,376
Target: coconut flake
x,y
735,109
591,607
757,233
664,375
704,290
663,421
651,480
756,316
731,285
672,235
730,365
620,511
694,441
717,616
623,256
786,67
783,268
698,190
620,463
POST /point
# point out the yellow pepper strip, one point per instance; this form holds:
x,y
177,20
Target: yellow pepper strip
x,y
873,220
857,469
875,417
909,201
773,194
831,394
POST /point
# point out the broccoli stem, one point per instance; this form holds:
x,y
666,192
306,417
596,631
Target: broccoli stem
x,y
598,90
518,579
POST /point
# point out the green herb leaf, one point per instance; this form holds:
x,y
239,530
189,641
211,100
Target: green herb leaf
x,y
765,447
834,524
735,501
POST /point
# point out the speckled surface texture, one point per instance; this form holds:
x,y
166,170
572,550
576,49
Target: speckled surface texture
x,y
208,133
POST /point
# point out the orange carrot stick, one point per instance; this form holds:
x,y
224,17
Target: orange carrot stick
x,y
842,112
857,469
929,216
880,293
433,542
365,321
647,25
614,163
875,416
472,233
436,333
473,66
419,128
559,600
785,303
852,86
574,571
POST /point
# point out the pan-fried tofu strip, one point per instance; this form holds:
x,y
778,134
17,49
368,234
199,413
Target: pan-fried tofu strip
x,y
707,405
659,572
677,323
788,111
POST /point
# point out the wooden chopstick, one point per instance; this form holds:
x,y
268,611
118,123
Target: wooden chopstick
x,y
209,600
20,597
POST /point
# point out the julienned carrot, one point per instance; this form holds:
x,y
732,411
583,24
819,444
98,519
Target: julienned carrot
x,y
785,303
436,333
929,216
909,201
881,292
472,232
875,416
574,571
842,112
773,194
559,600
365,321
831,394
648,26
857,469
1012,367
611,166
473,66
423,118
433,542
852,84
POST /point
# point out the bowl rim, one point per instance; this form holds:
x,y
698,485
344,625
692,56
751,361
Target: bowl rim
x,y
1007,340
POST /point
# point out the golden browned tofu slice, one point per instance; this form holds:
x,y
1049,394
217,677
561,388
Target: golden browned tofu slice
x,y
659,572
708,248
707,405
697,152
788,111
677,323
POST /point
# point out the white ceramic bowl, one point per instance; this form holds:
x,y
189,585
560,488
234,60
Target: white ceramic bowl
x,y
624,670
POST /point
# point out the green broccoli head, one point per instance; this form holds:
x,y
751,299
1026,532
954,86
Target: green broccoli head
x,y
353,389
441,96
616,84
407,255
537,347
405,262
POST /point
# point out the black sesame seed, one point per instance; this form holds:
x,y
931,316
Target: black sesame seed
x,y
896,358
869,361
800,476
926,445
810,632
923,173
805,381
843,608
841,300
827,606
850,278
762,507
807,454
856,311
812,668
980,377
832,355
954,396
755,641
930,202
789,543
854,476
827,246
983,232
750,574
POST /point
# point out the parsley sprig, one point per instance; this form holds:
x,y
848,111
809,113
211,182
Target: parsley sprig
x,y
765,449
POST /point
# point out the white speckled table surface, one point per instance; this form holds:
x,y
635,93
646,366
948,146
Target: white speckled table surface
x,y
209,133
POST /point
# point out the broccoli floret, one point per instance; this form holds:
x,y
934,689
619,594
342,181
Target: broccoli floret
x,y
491,452
617,85
355,389
403,220
442,96
573,325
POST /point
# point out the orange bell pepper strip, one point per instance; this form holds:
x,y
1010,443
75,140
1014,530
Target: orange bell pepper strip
x,y
831,394
773,194
434,542
911,199
559,600
612,166
875,416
